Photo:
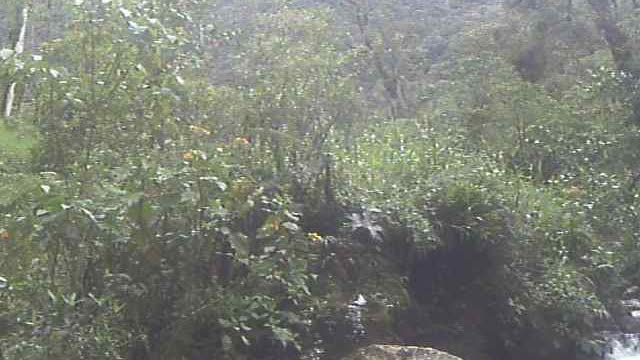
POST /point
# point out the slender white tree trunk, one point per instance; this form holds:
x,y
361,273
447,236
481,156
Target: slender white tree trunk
x,y
18,49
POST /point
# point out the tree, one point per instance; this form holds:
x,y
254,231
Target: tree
x,y
620,46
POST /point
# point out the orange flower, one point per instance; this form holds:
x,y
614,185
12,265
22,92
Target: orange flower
x,y
193,155
275,224
5,235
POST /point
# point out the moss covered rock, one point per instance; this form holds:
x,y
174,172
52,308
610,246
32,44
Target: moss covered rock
x,y
396,352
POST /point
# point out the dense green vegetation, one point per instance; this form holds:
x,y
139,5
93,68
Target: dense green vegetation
x,y
222,179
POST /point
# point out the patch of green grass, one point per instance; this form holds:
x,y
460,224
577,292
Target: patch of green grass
x,y
15,145
15,154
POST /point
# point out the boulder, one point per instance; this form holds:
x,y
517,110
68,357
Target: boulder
x,y
397,352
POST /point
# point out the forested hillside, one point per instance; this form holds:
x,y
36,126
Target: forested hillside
x,y
295,179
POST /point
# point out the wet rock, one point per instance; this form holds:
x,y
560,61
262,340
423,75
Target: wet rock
x,y
630,324
396,352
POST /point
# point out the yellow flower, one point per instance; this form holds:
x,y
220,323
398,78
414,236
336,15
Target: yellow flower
x,y
188,156
199,130
315,237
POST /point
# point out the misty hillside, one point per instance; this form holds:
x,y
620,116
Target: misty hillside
x,y
320,179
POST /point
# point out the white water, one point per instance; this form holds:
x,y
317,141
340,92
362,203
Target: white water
x,y
624,347
19,49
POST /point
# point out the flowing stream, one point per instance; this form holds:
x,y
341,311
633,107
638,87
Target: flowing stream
x,y
624,347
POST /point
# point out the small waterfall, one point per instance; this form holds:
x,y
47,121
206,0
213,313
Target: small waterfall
x,y
18,50
623,347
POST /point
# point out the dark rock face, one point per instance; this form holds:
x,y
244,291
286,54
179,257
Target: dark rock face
x,y
396,352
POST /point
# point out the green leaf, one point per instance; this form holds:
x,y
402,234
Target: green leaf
x,y
291,226
241,244
89,214
51,296
225,323
125,13
292,216
221,185
245,340
41,212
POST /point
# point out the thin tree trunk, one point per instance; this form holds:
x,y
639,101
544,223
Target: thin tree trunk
x,y
391,83
18,49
